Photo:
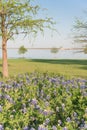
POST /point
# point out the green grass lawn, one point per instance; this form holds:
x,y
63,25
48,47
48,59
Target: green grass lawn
x,y
69,68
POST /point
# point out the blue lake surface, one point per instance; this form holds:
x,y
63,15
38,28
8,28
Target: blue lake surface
x,y
46,54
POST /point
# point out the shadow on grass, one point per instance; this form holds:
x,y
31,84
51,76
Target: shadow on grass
x,y
83,67
0,65
61,61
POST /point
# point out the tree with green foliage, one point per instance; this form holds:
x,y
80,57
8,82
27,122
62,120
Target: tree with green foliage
x,y
80,33
22,50
85,50
55,50
19,17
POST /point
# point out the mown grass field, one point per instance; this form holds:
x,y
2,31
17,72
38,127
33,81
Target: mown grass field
x,y
69,68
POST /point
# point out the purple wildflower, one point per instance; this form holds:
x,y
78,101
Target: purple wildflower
x,y
32,128
85,126
1,127
47,121
34,101
54,127
65,128
68,119
0,108
26,128
42,127
45,112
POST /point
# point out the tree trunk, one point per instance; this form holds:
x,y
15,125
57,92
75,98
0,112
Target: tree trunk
x,y
4,58
4,46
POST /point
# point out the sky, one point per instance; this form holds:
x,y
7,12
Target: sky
x,y
63,13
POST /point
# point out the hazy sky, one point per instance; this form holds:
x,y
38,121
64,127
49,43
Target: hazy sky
x,y
64,13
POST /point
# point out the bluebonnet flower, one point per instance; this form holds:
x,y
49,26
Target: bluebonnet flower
x,y
1,84
0,108
47,121
27,77
68,81
26,128
48,97
83,80
84,94
7,86
64,83
45,112
54,128
53,80
9,99
34,101
1,127
46,104
32,128
37,107
65,128
14,84
42,127
68,119
75,114
85,125
82,87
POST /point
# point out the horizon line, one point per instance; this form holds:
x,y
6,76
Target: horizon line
x,y
48,48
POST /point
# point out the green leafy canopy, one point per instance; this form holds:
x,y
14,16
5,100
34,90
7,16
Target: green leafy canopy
x,y
21,17
22,50
80,31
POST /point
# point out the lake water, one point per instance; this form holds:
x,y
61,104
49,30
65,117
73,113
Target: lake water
x,y
46,54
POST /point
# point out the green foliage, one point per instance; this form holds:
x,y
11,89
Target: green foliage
x,y
54,50
85,49
21,17
80,31
22,50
